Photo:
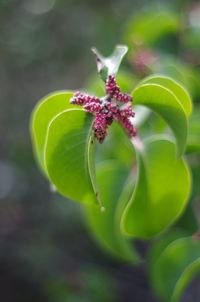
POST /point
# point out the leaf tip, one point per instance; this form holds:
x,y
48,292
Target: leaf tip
x,y
122,46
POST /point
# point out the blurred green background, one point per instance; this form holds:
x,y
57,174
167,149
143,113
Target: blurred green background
x,y
46,253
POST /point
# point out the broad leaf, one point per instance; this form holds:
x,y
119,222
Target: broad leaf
x,y
177,89
43,113
175,267
109,65
104,226
161,191
68,155
162,101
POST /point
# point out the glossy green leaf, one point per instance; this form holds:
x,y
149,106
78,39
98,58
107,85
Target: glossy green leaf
x,y
43,113
162,101
68,155
161,191
110,65
104,226
175,267
177,89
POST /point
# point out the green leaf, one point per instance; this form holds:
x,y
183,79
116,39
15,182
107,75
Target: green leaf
x,y
104,226
161,191
154,22
175,267
162,101
45,110
160,244
193,141
194,165
110,65
117,146
68,155
188,221
177,89
180,71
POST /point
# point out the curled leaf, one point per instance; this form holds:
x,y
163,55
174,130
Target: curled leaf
x,y
104,226
45,110
172,271
162,101
176,88
68,155
161,191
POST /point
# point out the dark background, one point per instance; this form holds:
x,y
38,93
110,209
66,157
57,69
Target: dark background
x,y
46,253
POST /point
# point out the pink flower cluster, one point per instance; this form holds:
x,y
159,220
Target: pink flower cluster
x,y
107,109
113,89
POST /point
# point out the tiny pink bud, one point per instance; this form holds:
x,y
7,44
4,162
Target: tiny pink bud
x,y
128,126
92,107
127,112
122,97
111,85
100,127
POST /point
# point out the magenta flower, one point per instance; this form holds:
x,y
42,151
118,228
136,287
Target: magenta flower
x,y
107,109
